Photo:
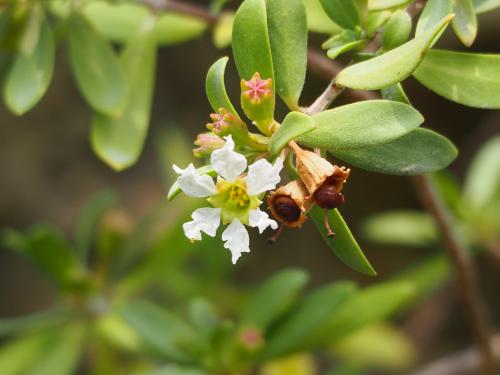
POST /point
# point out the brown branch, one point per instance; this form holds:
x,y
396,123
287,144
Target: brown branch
x,y
181,7
466,362
462,264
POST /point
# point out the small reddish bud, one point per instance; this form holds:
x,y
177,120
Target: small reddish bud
x,y
207,142
251,338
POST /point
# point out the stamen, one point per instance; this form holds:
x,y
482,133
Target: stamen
x,y
273,239
329,230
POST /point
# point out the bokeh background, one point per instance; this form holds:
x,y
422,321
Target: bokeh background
x,y
48,171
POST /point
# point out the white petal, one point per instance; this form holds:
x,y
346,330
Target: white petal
x,y
236,239
263,176
261,220
227,163
193,184
206,220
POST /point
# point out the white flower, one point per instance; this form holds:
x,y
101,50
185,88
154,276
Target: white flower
x,y
235,198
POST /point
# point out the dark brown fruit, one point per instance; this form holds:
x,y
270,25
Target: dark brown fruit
x,y
328,197
286,208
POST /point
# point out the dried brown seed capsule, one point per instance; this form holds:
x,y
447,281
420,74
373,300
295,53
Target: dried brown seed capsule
x,y
328,197
289,203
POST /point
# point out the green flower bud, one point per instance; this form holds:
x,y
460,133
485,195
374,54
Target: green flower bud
x,y
257,101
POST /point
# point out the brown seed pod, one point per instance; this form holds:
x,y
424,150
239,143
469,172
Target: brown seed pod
x,y
290,203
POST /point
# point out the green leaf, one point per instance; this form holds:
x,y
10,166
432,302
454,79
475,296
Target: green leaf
x,y
62,355
173,370
176,190
30,74
407,228
396,30
375,21
386,4
334,52
369,306
216,89
160,330
276,295
294,125
287,25
121,22
395,93
33,321
482,182
88,220
470,79
97,69
391,67
362,124
344,244
465,23
251,46
16,357
47,248
119,140
223,29
420,151
433,12
203,316
343,12
483,6
174,28
381,346
317,20
306,320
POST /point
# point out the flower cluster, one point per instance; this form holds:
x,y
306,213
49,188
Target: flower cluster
x,y
238,190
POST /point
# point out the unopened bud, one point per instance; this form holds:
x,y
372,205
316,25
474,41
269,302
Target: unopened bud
x,y
207,142
257,100
251,338
225,123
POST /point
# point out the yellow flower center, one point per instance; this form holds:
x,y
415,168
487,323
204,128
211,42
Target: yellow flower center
x,y
239,196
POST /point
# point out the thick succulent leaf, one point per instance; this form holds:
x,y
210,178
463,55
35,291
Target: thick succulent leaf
x,y
362,124
344,244
369,306
121,22
375,21
216,88
391,67
251,46
465,23
31,73
396,30
420,151
386,4
174,28
98,72
119,140
483,6
160,330
273,298
433,12
407,228
482,182
287,24
294,125
395,93
343,12
317,20
223,30
307,319
470,79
